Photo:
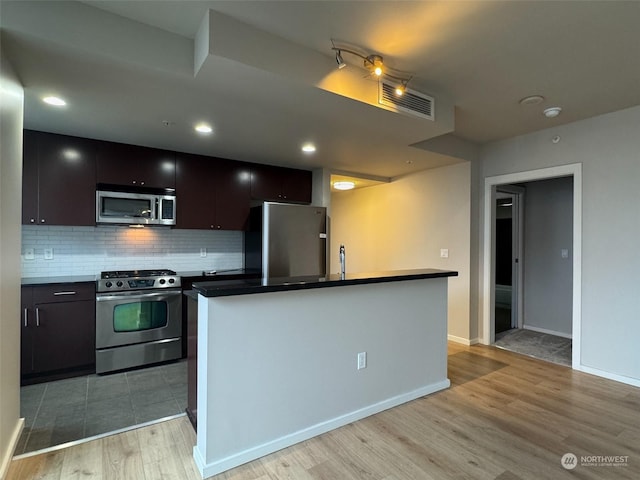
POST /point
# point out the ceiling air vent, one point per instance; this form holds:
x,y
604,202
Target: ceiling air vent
x,y
411,102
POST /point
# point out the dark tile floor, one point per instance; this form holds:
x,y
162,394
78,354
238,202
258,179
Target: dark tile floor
x,y
72,409
535,344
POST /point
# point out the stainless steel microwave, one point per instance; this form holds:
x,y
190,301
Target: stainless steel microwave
x,y
135,208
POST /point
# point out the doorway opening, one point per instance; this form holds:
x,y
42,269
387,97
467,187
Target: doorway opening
x,y
525,301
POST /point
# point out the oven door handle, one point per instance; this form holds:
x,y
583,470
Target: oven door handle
x,y
135,295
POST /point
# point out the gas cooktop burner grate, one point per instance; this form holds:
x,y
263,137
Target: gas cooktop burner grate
x,y
136,273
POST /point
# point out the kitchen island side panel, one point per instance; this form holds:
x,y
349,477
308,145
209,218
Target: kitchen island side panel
x,y
281,367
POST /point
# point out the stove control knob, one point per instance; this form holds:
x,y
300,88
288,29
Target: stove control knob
x,y
162,281
172,280
108,284
119,284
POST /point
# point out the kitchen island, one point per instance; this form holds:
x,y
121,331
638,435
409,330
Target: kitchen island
x,y
283,360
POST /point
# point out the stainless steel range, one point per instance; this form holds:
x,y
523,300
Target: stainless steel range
x,y
138,318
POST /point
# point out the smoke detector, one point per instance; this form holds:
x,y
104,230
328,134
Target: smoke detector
x,y
552,112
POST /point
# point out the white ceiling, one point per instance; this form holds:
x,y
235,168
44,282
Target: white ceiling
x,y
126,66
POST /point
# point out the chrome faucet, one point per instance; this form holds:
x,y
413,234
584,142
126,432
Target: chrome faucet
x,y
343,261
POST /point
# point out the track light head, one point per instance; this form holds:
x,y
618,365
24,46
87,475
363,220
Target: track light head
x,y
339,60
375,64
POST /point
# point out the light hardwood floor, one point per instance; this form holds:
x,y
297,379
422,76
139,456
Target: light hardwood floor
x,y
505,417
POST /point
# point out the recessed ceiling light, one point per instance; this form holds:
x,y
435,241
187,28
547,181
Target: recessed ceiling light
x,y
203,128
552,112
344,185
56,101
308,148
532,100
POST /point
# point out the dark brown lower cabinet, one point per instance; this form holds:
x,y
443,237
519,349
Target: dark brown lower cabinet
x,y
57,331
192,362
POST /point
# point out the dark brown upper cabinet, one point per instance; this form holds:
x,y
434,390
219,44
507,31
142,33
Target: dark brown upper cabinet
x,y
212,193
59,176
122,164
280,184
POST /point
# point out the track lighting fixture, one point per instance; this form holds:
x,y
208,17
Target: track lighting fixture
x,y
374,63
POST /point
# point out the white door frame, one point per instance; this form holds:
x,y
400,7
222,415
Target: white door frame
x,y
488,293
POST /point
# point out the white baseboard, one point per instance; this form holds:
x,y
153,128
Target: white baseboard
x,y
545,330
11,448
237,459
635,382
463,341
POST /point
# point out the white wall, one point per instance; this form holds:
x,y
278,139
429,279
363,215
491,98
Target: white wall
x,y
404,224
607,146
278,368
548,229
11,114
91,250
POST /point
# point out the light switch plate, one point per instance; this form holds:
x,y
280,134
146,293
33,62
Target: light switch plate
x,y
444,253
362,360
29,254
48,253
564,253
203,252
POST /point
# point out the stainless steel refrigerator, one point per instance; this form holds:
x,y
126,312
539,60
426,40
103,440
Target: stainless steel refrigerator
x,y
287,240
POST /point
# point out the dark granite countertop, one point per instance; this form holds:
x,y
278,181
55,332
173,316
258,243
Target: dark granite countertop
x,y
224,273
225,288
30,281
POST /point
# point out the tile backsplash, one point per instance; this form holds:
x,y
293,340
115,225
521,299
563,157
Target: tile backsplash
x,y
91,250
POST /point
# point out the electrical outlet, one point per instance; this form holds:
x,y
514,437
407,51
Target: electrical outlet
x,y
362,360
444,253
564,253
203,252
29,254
48,253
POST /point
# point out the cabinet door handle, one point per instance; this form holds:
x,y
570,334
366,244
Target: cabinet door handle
x,y
32,220
65,293
37,317
42,221
26,317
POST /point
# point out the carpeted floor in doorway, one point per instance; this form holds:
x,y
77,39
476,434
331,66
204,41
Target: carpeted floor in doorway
x,y
535,344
